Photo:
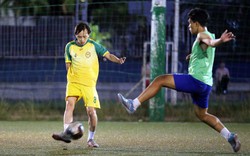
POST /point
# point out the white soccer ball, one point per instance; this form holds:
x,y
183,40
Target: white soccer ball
x,y
75,130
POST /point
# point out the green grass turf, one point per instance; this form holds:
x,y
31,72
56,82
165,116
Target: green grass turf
x,y
121,138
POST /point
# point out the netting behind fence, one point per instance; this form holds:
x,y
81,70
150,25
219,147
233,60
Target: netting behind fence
x,y
33,37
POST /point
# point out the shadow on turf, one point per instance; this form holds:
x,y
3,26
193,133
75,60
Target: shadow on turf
x,y
66,150
80,150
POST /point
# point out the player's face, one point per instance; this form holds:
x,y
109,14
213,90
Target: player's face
x,y
193,27
82,37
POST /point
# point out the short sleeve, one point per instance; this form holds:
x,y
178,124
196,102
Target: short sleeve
x,y
67,53
100,50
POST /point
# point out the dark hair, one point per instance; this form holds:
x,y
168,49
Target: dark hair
x,y
199,15
82,26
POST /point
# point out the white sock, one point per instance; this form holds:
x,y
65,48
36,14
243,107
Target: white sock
x,y
136,103
65,126
225,133
91,135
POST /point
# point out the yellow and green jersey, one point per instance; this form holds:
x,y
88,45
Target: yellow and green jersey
x,y
84,67
201,62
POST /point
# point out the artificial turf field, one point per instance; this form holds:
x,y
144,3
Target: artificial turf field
x,y
122,139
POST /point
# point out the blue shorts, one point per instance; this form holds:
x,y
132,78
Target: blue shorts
x,y
199,91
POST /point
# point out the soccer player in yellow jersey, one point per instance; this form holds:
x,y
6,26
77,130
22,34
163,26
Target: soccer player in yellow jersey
x,y
82,65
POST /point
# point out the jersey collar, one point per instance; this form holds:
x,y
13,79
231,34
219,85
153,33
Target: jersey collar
x,y
80,44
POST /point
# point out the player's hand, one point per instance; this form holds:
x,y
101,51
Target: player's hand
x,y
227,36
122,60
188,57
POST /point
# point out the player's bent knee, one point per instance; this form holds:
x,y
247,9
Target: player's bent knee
x,y
201,116
91,112
162,80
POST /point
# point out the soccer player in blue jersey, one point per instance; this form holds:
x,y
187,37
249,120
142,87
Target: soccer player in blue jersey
x,y
198,81
82,65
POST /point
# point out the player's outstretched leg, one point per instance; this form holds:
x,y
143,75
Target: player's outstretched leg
x,y
127,103
62,137
235,142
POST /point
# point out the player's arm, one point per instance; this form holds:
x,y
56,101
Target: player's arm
x,y
67,56
115,59
67,66
188,57
225,37
104,52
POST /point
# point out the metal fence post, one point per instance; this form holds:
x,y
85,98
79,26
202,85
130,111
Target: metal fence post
x,y
157,57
